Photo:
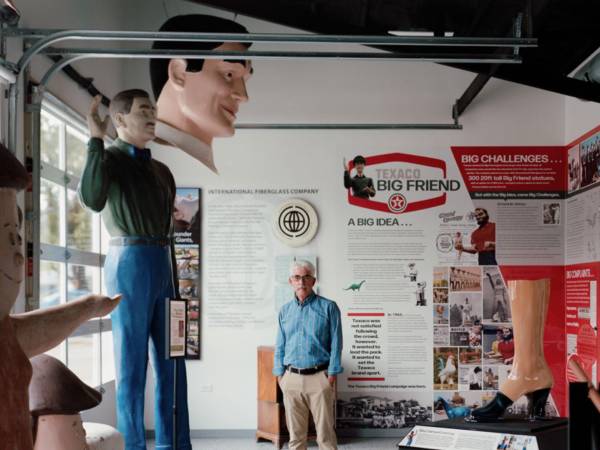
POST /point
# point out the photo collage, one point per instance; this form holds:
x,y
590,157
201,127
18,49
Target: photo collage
x,y
374,410
187,232
472,335
584,163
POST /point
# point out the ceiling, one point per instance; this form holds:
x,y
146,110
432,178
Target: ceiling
x,y
568,31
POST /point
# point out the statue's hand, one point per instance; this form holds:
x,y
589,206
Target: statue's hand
x,y
102,305
96,125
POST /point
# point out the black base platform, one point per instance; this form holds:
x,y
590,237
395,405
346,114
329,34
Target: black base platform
x,y
551,434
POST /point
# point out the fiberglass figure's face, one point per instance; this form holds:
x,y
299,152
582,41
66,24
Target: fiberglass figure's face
x,y
210,99
137,125
11,252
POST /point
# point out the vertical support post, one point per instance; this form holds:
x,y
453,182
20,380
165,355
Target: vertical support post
x,y
32,117
13,92
517,31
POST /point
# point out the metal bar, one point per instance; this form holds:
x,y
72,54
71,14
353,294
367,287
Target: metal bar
x,y
470,93
27,33
517,31
34,110
78,54
12,117
52,36
306,126
57,67
348,126
83,82
272,38
300,126
7,76
209,54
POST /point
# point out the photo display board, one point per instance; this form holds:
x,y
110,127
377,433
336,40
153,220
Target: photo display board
x,y
188,231
431,246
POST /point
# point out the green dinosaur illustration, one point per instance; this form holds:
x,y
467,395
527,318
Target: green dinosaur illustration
x,y
355,286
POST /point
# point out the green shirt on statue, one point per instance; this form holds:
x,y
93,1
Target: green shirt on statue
x,y
139,190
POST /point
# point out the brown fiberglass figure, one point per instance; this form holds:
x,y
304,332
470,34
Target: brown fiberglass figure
x,y
25,335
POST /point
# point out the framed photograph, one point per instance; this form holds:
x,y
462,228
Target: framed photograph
x,y
176,328
193,329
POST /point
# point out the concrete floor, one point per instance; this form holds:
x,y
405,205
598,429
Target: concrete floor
x,y
250,444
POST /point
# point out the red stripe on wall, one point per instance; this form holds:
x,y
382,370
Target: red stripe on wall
x,y
366,314
365,379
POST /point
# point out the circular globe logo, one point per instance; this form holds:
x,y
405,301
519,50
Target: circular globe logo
x,y
397,203
295,222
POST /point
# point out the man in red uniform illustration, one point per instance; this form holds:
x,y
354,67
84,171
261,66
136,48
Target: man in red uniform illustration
x,y
483,240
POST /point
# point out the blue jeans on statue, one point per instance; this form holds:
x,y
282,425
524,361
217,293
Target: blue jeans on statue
x,y
142,273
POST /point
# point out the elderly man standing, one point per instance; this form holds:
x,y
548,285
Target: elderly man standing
x,y
308,358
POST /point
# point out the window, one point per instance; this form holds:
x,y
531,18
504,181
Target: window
x,y
73,241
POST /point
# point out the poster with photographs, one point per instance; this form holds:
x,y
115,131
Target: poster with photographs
x,y
187,216
187,225
176,315
448,405
377,410
473,342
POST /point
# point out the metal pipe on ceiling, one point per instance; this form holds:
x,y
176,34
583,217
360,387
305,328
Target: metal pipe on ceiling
x,y
270,38
273,38
59,65
48,37
349,126
271,55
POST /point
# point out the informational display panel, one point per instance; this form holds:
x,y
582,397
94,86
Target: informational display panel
x,y
431,244
424,437
246,263
187,222
419,249
582,273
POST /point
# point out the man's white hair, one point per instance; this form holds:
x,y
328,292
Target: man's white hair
x,y
303,264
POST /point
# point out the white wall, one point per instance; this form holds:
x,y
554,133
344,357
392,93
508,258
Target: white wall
x,y
580,117
505,114
291,91
320,92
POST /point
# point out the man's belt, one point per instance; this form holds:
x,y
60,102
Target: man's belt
x,y
139,240
308,370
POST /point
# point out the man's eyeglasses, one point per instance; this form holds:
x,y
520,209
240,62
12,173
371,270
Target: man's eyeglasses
x,y
302,277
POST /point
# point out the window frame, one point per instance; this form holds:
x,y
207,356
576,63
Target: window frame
x,y
62,253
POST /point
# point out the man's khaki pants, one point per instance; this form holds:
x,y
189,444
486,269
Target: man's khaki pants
x,y
309,393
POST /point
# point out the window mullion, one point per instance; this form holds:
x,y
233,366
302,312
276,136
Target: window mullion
x,y
67,253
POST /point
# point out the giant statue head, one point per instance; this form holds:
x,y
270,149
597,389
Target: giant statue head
x,y
198,99
13,178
